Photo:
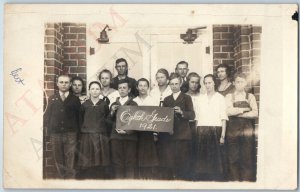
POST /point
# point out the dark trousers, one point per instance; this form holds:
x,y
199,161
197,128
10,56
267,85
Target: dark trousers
x,y
124,158
242,158
64,152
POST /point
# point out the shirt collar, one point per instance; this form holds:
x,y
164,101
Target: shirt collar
x,y
239,93
123,100
175,95
66,94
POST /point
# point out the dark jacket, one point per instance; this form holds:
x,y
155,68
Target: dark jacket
x,y
133,93
184,87
93,117
182,130
130,135
62,116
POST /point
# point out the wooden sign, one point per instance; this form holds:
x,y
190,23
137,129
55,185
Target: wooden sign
x,y
145,118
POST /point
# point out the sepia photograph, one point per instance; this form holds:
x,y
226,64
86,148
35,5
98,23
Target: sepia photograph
x,y
203,80
116,96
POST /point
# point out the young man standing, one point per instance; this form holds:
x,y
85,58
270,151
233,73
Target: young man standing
x,y
182,70
122,69
61,120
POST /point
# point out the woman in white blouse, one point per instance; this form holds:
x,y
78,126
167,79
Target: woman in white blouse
x,y
163,89
210,132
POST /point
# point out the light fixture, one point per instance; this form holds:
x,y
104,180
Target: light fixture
x,y
103,35
190,35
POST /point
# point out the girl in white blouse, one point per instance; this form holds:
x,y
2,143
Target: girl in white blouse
x,y
210,132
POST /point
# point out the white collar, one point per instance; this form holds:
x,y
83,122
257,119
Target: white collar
x,y
175,95
66,94
123,100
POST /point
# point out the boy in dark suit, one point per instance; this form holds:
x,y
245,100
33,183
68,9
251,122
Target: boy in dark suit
x,y
174,150
123,143
61,120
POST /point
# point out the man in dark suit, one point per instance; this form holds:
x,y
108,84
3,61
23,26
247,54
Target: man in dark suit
x,y
122,68
174,150
182,69
61,120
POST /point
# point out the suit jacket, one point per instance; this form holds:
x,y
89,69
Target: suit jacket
x,y
184,87
133,93
62,116
182,130
130,135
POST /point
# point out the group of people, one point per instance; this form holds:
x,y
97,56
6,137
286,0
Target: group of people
x,y
213,135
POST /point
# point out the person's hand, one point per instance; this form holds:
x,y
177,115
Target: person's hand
x,y
114,107
178,110
155,138
222,140
122,132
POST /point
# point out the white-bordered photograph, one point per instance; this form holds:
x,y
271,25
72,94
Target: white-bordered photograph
x,y
143,96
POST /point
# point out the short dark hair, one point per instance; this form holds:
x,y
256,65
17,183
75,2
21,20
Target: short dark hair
x,y
227,69
240,74
174,76
64,75
77,78
193,74
121,60
163,71
143,79
105,71
94,82
124,81
182,62
213,78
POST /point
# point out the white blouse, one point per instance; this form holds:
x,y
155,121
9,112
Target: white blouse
x,y
211,111
112,96
158,96
148,101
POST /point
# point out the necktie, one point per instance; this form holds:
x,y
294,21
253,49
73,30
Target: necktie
x,y
63,97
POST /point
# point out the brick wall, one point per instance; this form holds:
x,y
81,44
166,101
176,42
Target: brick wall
x,y
223,48
65,53
75,49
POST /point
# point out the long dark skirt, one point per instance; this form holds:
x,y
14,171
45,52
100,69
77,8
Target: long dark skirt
x,y
208,165
147,156
94,150
174,159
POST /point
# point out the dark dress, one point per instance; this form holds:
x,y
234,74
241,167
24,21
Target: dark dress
x,y
174,150
229,89
241,146
94,141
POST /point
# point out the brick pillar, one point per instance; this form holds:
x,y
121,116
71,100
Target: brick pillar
x,y
53,66
65,53
223,51
75,49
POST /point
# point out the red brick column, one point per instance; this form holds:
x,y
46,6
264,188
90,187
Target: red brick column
x,y
65,53
53,66
223,51
75,49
